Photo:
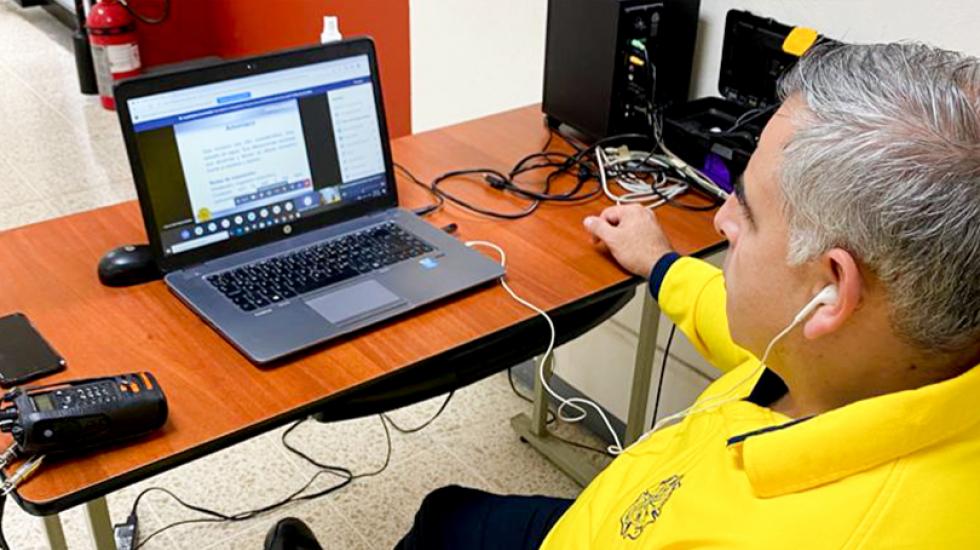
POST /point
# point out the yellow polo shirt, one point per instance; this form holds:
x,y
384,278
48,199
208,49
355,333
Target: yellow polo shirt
x,y
897,471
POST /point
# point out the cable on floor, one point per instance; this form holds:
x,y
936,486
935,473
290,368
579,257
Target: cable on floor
x,y
346,477
423,425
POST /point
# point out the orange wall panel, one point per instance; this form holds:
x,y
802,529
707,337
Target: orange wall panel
x,y
235,28
186,34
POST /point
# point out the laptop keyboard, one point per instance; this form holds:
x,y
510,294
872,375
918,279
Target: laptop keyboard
x,y
282,277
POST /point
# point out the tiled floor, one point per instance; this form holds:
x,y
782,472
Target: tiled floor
x,y
61,153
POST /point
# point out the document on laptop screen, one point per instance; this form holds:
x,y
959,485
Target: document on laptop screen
x,y
230,158
251,157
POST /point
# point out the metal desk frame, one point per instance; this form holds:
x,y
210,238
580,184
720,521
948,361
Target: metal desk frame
x,y
533,430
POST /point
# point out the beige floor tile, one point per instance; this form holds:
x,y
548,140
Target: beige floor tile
x,y
382,509
56,169
49,60
489,400
57,157
330,529
244,477
110,141
111,153
121,190
24,531
83,200
77,530
355,444
496,452
22,111
17,32
21,529
14,189
29,30
26,213
84,112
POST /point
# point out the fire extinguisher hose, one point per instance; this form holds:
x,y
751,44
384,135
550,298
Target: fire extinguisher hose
x,y
164,13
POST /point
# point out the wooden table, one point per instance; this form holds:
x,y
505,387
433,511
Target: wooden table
x,y
47,271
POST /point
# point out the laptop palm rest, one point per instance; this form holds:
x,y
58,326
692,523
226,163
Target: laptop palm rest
x,y
354,302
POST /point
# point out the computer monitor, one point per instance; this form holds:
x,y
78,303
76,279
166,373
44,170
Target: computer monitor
x,y
241,156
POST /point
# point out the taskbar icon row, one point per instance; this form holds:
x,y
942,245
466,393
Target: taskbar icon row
x,y
245,222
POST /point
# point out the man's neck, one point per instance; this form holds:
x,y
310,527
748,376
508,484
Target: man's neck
x,y
820,384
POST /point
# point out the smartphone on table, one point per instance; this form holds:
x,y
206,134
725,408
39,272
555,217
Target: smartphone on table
x,y
24,354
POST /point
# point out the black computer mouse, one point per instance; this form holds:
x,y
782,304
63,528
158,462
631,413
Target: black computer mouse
x,y
128,265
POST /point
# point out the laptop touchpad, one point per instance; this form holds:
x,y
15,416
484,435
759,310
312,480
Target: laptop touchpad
x,y
354,302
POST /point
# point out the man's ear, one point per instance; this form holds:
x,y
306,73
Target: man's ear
x,y
838,267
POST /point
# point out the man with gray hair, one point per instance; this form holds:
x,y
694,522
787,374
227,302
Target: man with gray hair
x,y
846,320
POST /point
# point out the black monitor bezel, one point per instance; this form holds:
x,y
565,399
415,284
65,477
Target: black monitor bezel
x,y
227,70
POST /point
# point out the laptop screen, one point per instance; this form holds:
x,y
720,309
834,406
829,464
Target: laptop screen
x,y
232,158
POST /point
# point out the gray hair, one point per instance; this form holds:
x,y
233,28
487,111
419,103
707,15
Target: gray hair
x,y
885,163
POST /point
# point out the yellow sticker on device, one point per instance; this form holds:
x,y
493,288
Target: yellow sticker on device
x,y
799,40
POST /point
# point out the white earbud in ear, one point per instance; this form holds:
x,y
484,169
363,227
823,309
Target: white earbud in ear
x,y
825,297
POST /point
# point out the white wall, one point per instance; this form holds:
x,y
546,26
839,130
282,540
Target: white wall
x,y
476,57
471,58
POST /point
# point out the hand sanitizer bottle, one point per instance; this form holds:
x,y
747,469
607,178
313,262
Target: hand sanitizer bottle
x,y
330,31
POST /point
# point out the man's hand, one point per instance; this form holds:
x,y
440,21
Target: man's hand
x,y
633,236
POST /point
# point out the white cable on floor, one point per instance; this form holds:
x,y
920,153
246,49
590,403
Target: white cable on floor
x,y
571,402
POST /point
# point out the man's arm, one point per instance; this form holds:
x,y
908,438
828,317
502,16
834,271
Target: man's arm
x,y
690,292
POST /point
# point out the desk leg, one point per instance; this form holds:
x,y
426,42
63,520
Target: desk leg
x,y
533,430
646,351
54,532
539,418
100,525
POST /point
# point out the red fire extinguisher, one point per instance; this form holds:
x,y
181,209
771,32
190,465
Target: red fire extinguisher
x,y
112,34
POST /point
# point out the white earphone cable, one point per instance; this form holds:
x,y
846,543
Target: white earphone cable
x,y
574,402
563,402
827,295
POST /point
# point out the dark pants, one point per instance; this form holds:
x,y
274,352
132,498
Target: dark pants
x,y
456,517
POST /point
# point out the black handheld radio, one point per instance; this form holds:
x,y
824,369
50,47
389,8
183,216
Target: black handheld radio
x,y
81,414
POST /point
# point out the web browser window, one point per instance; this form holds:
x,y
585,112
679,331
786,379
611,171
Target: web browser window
x,y
227,159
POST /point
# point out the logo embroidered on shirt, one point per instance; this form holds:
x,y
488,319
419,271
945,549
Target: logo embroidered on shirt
x,y
647,508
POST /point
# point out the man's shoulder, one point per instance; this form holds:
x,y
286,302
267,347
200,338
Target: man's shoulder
x,y
932,503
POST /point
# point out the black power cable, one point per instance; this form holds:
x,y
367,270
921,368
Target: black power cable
x,y
559,162
580,164
425,210
663,371
491,176
346,477
423,425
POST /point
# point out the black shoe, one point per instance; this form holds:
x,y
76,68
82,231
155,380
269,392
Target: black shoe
x,y
291,534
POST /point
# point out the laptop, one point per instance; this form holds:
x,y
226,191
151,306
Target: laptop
x,y
269,200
